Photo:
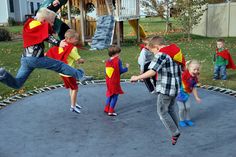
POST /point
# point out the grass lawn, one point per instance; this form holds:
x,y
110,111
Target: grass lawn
x,y
200,48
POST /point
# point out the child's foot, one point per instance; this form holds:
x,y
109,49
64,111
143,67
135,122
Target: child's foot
x,y
174,139
78,106
182,123
189,122
153,92
2,73
112,114
106,109
75,109
85,78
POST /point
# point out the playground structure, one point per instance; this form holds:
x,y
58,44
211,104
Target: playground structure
x,y
122,10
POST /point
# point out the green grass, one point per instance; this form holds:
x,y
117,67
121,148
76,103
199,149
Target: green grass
x,y
200,48
14,29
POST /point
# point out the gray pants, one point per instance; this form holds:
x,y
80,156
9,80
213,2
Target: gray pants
x,y
184,110
166,111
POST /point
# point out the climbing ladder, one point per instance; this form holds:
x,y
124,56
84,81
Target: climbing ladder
x,y
118,10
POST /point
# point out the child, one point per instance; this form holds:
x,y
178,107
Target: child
x,y
35,32
168,67
223,60
113,71
69,55
189,82
144,60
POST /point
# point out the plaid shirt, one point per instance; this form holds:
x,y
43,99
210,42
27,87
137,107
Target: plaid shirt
x,y
169,74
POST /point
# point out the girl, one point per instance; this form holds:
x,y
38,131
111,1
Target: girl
x,y
189,83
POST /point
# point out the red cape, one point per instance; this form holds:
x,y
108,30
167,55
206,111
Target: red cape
x,y
141,46
55,54
175,53
226,55
113,77
36,35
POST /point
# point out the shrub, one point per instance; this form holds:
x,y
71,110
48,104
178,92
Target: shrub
x,y
4,35
11,21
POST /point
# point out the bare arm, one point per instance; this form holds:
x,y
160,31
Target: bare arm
x,y
195,93
147,74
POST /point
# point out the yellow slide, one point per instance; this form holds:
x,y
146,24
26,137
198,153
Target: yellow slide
x,y
133,24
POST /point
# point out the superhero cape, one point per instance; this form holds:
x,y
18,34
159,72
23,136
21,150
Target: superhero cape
x,y
113,77
141,46
59,53
226,55
35,32
188,82
175,53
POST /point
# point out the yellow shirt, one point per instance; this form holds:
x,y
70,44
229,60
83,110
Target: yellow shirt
x,y
72,58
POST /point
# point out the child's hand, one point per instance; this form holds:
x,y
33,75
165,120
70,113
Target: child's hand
x,y
81,61
127,65
134,79
63,43
55,3
198,100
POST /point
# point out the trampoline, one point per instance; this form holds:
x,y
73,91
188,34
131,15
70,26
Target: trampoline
x,y
42,126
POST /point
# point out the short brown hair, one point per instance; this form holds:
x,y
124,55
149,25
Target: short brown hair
x,y
156,40
113,50
221,40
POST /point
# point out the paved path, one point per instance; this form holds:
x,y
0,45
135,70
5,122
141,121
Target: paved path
x,y
43,126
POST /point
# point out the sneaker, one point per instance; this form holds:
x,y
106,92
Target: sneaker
x,y
174,139
76,110
189,122
78,106
153,92
182,123
85,78
106,109
112,114
2,73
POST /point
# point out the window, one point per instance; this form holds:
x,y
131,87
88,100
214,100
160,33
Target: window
x,y
32,7
11,6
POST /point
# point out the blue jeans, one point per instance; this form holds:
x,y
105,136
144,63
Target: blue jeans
x,y
220,72
28,64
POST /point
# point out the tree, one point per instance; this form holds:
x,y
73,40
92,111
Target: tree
x,y
150,7
159,8
190,12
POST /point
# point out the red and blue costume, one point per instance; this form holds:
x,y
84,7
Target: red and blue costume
x,y
113,71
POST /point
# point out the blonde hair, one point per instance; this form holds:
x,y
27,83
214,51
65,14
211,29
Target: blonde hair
x,y
193,61
45,14
156,40
146,40
71,33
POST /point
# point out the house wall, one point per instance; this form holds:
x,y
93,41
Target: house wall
x,y
3,12
21,8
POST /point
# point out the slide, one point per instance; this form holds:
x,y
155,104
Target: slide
x,y
133,24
